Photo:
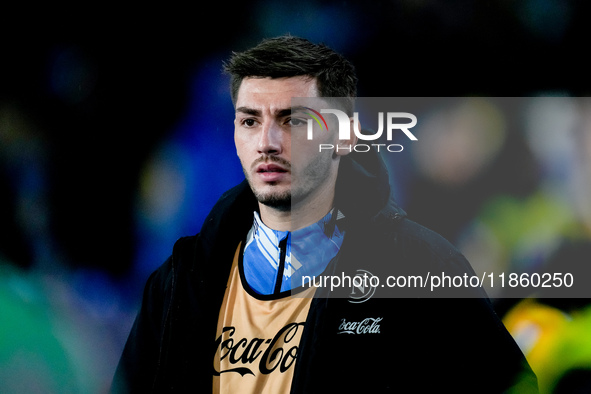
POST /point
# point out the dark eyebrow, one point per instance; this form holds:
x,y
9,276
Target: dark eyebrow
x,y
249,111
283,112
298,108
255,112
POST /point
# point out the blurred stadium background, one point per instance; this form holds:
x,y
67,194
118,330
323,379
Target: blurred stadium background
x,y
116,139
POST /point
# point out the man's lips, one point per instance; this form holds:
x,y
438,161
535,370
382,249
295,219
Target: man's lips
x,y
270,168
270,172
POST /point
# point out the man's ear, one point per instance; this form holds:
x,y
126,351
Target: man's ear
x,y
346,146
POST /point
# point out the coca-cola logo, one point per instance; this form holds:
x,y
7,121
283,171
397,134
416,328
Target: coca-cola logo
x,y
369,325
266,355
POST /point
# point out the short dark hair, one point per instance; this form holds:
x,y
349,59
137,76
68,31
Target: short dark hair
x,y
290,56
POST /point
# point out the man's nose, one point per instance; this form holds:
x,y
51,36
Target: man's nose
x,y
271,139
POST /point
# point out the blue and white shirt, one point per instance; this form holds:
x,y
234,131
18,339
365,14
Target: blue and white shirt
x,y
304,252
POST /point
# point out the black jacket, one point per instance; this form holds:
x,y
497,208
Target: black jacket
x,y
424,344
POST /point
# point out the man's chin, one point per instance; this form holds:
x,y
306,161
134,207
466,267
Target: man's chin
x,y
280,202
277,199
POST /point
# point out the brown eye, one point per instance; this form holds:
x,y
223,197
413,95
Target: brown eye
x,y
249,122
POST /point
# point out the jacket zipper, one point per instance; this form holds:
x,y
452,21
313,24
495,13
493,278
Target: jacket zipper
x,y
281,268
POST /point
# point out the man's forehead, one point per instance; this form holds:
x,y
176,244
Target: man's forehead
x,y
269,89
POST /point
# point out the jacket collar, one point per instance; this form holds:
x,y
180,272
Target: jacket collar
x,y
363,187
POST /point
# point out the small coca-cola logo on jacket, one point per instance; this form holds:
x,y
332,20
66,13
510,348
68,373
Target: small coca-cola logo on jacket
x,y
369,325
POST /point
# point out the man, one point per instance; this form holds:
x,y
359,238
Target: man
x,y
233,309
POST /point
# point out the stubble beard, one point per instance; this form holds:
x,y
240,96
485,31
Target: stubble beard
x,y
282,200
